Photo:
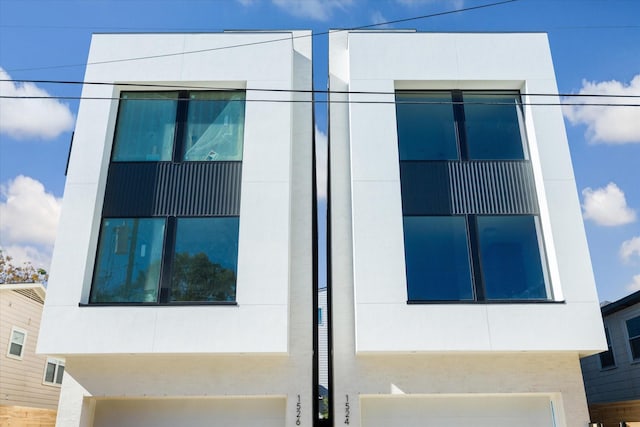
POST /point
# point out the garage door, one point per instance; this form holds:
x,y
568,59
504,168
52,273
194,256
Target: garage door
x,y
464,411
267,412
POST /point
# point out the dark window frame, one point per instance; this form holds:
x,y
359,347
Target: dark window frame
x,y
607,358
459,121
475,263
473,238
170,221
633,339
182,112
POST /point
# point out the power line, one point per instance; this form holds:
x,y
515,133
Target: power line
x,y
308,91
362,27
294,101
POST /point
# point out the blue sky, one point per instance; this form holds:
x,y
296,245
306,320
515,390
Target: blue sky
x,y
595,45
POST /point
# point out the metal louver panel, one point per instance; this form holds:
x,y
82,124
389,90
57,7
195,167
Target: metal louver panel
x,y
492,188
469,187
173,189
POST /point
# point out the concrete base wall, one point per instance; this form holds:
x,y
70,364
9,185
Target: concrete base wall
x,y
555,377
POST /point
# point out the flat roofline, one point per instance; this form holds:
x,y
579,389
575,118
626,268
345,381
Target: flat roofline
x,y
415,31
180,32
621,304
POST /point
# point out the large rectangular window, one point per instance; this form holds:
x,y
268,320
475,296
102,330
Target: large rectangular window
x,y
180,126
129,260
437,258
169,232
633,331
471,220
205,259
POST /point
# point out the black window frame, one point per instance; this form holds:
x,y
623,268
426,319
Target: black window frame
x,y
473,238
170,220
607,358
633,339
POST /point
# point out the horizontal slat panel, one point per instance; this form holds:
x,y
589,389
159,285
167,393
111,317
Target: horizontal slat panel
x,y
469,187
173,189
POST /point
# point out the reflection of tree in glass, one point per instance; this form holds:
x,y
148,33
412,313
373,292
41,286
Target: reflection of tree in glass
x,y
133,291
196,278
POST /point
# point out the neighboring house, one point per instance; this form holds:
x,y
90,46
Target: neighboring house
x,y
612,378
29,382
462,290
181,285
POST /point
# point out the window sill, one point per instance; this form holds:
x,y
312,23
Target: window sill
x,y
173,304
500,302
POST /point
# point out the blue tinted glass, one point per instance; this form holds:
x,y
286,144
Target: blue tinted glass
x,y
215,126
128,263
492,127
206,259
437,258
511,258
145,128
426,129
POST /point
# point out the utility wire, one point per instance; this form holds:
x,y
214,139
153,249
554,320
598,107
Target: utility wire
x,y
306,91
293,101
362,27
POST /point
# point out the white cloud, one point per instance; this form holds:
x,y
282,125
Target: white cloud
x,y
607,206
321,163
377,17
247,2
44,118
39,257
320,10
607,124
630,248
28,220
635,284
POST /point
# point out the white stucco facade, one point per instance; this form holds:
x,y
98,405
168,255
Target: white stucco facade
x,y
259,349
384,347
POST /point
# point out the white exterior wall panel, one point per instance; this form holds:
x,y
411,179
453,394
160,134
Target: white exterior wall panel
x,y
382,62
263,259
260,348
385,348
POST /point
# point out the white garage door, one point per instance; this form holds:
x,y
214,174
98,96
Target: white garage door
x,y
266,412
465,411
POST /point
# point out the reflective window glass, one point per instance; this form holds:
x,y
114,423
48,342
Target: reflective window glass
x,y
16,344
128,262
215,126
426,128
146,126
49,375
437,258
492,126
633,330
510,257
206,259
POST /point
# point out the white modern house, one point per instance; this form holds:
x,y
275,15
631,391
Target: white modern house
x,y
461,286
181,287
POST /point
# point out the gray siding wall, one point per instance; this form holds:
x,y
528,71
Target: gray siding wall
x,y
621,382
